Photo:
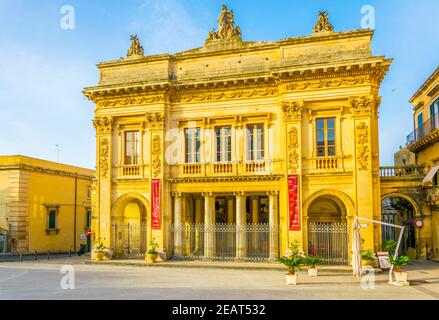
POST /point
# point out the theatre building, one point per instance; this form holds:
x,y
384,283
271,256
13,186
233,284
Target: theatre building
x,y
235,149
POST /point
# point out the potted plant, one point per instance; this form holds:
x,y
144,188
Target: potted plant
x,y
152,253
368,257
291,263
311,262
99,250
389,246
398,262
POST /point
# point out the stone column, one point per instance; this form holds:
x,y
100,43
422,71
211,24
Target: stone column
x,y
255,220
198,210
230,211
178,249
209,224
241,243
274,233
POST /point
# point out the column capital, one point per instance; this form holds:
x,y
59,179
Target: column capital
x,y
272,193
177,194
239,193
207,194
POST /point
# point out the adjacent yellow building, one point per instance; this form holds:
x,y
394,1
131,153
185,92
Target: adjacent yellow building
x,y
44,206
424,143
235,149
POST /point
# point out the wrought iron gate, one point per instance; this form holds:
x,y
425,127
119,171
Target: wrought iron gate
x,y
329,241
226,237
130,239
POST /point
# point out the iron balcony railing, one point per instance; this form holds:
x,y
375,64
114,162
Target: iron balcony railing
x,y
424,130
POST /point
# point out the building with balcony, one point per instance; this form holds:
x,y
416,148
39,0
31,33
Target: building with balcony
x,y
44,206
424,143
235,149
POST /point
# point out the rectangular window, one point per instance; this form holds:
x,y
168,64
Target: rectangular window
x,y
255,142
132,147
325,134
223,144
192,145
51,218
420,120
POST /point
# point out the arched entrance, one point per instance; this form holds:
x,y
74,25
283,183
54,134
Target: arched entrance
x,y
400,209
327,229
130,226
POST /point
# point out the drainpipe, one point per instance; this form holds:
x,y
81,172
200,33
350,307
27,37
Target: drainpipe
x,y
74,213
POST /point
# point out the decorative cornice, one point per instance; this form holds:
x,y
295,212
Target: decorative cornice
x,y
132,100
431,79
327,83
425,142
22,166
224,95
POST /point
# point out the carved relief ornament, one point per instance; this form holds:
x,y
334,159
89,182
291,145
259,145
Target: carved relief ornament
x,y
326,83
212,96
364,105
292,145
156,155
150,99
104,151
103,125
292,110
156,120
362,146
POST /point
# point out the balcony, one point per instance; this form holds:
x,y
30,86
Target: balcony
x,y
423,131
402,172
226,169
130,171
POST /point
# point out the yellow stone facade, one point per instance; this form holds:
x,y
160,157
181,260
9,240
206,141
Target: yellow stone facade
x,y
34,191
290,88
424,143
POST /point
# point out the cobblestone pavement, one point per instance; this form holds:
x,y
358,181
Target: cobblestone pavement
x,y
41,280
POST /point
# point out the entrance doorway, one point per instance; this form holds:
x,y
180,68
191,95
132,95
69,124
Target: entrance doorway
x,y
328,236
130,230
399,211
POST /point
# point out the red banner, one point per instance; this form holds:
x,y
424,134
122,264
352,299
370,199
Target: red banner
x,y
293,197
155,204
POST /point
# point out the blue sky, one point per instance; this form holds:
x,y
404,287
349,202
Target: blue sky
x,y
43,68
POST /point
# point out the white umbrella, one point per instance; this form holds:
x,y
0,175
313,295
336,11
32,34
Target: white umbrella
x,y
356,248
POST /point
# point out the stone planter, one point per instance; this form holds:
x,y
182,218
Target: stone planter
x,y
151,257
99,256
312,272
291,279
401,278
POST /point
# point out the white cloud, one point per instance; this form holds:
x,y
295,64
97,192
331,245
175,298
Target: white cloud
x,y
166,27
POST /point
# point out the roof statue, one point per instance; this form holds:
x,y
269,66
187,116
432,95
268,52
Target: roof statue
x,y
226,26
135,49
323,24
